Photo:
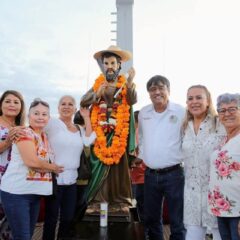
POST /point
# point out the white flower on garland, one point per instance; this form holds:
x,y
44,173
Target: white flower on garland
x,y
103,123
112,121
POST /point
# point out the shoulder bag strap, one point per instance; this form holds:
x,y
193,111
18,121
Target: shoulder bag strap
x,y
78,127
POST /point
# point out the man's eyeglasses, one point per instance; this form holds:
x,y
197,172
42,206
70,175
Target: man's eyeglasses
x,y
231,110
37,101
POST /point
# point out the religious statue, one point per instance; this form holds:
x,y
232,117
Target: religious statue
x,y
111,99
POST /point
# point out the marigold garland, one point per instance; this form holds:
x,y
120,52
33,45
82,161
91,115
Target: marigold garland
x,y
111,154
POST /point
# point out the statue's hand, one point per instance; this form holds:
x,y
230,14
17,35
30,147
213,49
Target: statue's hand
x,y
131,75
101,89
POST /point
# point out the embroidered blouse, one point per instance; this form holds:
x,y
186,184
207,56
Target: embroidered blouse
x,y
5,156
19,179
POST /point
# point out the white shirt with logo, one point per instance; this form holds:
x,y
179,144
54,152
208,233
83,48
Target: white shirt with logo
x,y
160,136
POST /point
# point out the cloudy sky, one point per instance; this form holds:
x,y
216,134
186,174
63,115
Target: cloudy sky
x,y
46,47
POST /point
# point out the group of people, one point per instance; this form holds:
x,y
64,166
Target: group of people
x,y
188,157
194,163
31,158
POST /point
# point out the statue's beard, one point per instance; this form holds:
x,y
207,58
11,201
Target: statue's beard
x,y
111,76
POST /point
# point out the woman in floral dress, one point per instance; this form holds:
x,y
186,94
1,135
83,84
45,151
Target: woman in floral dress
x,y
224,185
201,133
12,114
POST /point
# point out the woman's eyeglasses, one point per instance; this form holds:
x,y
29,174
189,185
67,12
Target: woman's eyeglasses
x,y
231,110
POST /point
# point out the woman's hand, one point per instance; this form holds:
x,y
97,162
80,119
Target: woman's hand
x,y
57,169
16,132
136,162
13,134
85,112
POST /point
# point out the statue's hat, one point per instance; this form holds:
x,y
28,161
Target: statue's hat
x,y
123,54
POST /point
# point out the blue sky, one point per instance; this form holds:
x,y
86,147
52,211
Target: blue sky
x,y
46,47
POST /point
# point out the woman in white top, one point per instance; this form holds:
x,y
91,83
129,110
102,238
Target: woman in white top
x,y
224,185
28,174
201,133
12,114
67,144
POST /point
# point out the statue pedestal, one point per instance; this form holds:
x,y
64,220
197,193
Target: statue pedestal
x,y
113,216
117,213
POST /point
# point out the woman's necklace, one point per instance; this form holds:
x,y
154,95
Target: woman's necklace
x,y
9,123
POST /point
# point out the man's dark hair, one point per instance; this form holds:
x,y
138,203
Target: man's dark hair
x,y
155,80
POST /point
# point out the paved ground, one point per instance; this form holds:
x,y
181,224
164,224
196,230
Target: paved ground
x,y
38,232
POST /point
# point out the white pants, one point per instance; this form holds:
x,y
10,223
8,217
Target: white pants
x,y
198,233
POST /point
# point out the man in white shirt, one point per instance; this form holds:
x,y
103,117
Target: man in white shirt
x,y
159,145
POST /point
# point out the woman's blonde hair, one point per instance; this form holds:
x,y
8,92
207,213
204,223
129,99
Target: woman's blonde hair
x,y
211,112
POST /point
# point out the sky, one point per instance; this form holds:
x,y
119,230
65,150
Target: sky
x,y
47,47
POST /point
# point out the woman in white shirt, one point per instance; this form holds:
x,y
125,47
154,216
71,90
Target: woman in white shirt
x,y
28,174
224,184
67,144
201,133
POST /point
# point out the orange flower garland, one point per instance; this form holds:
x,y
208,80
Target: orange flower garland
x,y
111,154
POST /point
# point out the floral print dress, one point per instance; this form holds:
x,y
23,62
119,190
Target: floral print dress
x,y
197,149
224,185
5,157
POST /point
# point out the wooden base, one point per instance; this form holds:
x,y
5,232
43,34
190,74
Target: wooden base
x,y
113,216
